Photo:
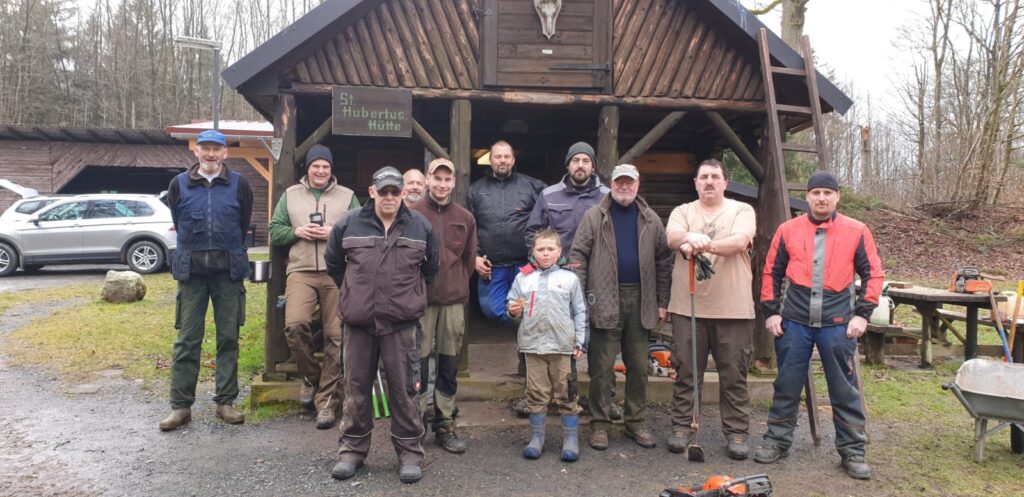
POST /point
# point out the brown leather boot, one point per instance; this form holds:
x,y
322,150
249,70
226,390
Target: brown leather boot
x,y
230,415
177,419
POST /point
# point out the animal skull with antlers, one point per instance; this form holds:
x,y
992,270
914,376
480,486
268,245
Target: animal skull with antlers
x,y
548,11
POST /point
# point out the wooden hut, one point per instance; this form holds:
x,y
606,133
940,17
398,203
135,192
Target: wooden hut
x,y
661,83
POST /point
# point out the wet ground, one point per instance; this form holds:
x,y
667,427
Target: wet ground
x,y
100,437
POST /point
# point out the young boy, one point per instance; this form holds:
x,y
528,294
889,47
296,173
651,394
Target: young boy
x,y
553,327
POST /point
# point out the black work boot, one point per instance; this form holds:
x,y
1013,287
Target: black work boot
x,y
306,392
448,439
738,448
857,467
768,454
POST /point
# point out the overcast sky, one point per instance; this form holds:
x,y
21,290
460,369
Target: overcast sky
x,y
857,39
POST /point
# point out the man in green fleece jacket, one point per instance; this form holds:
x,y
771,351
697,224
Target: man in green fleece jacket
x,y
302,220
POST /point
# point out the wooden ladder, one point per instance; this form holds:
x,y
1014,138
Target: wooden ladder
x,y
776,137
776,133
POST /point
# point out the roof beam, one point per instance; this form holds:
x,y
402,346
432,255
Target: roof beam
x,y
652,136
737,146
561,99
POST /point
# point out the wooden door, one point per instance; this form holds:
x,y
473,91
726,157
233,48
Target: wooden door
x,y
518,54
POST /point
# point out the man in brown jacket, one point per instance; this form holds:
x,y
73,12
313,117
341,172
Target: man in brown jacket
x,y
625,268
444,319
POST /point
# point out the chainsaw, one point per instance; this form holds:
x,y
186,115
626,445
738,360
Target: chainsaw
x,y
725,486
968,280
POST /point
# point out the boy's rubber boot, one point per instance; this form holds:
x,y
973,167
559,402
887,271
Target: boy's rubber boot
x,y
536,445
570,438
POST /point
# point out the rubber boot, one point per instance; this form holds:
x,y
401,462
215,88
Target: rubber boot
x,y
536,445
570,438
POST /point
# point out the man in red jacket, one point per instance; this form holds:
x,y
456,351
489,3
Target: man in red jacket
x,y
818,254
443,324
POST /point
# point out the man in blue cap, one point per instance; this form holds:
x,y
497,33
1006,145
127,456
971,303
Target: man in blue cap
x,y
211,207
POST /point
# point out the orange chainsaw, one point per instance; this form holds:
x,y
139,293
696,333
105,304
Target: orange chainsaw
x,y
725,486
968,280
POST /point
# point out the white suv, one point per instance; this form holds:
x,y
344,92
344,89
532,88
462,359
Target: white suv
x,y
131,229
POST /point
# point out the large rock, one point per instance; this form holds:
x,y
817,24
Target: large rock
x,y
123,286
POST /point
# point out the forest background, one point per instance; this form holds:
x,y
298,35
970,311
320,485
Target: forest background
x,y
952,143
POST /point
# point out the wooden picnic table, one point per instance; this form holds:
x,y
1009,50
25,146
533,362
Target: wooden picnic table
x,y
928,301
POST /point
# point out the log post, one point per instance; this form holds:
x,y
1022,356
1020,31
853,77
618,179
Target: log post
x,y
608,141
772,211
275,348
652,136
462,117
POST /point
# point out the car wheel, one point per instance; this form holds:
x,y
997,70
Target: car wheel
x,y
8,260
145,257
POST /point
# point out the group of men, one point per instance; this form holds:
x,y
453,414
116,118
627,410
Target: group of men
x,y
389,282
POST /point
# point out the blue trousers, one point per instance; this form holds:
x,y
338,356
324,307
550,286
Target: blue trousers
x,y
794,349
494,292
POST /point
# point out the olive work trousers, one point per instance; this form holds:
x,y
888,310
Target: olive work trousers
x,y
443,328
729,341
631,337
193,299
307,293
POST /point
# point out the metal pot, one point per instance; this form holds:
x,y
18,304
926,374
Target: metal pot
x,y
260,271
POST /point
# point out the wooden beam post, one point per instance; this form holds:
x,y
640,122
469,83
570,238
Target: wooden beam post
x,y
772,211
608,141
652,136
429,141
461,156
318,135
275,348
736,144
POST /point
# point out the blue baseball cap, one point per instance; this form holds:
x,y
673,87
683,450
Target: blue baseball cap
x,y
211,136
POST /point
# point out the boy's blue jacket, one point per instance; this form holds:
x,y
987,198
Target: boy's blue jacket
x,y
554,318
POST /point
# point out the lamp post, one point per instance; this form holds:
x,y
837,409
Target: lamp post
x,y
201,44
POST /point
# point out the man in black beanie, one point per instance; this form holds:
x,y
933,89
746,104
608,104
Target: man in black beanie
x,y
818,254
302,221
561,207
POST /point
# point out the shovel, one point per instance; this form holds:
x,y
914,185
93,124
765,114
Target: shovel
x,y
694,452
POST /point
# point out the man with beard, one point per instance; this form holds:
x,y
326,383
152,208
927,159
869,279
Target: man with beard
x,y
208,265
561,207
414,185
722,230
501,203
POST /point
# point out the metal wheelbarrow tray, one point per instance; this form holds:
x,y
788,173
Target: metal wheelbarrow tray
x,y
990,390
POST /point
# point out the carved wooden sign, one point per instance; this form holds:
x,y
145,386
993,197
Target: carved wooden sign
x,y
548,11
362,111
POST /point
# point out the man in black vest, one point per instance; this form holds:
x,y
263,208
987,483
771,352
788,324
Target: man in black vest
x,y
211,207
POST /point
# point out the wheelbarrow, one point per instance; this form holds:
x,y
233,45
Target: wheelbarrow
x,y
990,391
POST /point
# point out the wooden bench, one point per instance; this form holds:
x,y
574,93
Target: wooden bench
x,y
874,340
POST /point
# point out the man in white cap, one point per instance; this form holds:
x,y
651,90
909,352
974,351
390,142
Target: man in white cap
x,y
444,320
624,265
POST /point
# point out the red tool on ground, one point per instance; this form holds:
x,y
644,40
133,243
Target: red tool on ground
x,y
725,486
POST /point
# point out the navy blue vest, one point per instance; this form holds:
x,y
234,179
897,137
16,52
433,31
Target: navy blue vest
x,y
209,218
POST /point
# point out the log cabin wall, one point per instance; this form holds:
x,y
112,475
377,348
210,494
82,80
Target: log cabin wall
x,y
670,48
400,43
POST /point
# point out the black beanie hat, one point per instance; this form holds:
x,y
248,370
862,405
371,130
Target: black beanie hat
x,y
319,152
580,148
822,179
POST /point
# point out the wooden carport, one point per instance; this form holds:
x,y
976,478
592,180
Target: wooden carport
x,y
680,80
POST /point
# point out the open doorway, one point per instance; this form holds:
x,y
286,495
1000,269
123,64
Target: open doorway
x,y
107,179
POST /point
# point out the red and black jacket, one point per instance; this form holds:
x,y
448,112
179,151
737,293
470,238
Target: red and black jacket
x,y
818,260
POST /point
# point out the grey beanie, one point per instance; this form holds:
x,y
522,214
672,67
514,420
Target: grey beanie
x,y
580,148
319,152
822,179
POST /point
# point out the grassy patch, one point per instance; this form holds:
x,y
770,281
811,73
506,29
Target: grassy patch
x,y
9,300
135,337
271,412
928,451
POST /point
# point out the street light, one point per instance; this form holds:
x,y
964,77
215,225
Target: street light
x,y
201,44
